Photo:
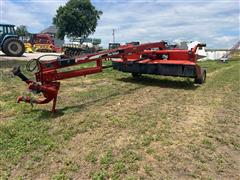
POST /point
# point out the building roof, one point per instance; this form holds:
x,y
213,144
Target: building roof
x,y
50,30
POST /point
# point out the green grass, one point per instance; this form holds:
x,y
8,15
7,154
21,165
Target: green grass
x,y
109,125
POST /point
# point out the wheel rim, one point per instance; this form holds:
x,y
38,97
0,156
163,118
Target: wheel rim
x,y
14,48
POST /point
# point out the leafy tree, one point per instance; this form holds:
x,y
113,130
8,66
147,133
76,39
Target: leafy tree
x,y
78,18
22,31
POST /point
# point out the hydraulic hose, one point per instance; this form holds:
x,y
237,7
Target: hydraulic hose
x,y
17,72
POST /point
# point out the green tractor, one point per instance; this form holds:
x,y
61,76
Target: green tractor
x,y
9,42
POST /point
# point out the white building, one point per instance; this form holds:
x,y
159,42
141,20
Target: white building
x,y
210,54
222,54
214,54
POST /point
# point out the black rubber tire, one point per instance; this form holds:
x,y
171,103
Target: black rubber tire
x,y
136,75
3,51
15,43
66,52
202,78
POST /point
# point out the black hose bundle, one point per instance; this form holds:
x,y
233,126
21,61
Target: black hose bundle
x,y
34,64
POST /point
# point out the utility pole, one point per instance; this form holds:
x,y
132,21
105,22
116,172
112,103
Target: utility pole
x,y
113,34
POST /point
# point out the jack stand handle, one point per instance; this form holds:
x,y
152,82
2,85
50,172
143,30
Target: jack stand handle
x,y
54,105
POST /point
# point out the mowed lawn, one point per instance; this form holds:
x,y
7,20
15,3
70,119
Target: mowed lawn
x,y
109,125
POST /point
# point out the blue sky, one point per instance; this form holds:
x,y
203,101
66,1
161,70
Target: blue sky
x,y
215,22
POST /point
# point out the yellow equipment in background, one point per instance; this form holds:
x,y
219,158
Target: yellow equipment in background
x,y
44,43
43,47
28,48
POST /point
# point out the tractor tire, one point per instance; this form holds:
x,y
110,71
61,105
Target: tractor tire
x,y
13,47
202,78
3,51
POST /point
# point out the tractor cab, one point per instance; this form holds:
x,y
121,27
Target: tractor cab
x,y
5,30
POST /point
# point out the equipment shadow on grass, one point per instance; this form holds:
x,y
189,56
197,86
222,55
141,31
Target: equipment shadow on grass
x,y
163,83
102,100
43,114
47,114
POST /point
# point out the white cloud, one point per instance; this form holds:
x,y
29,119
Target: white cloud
x,y
153,21
35,14
214,22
